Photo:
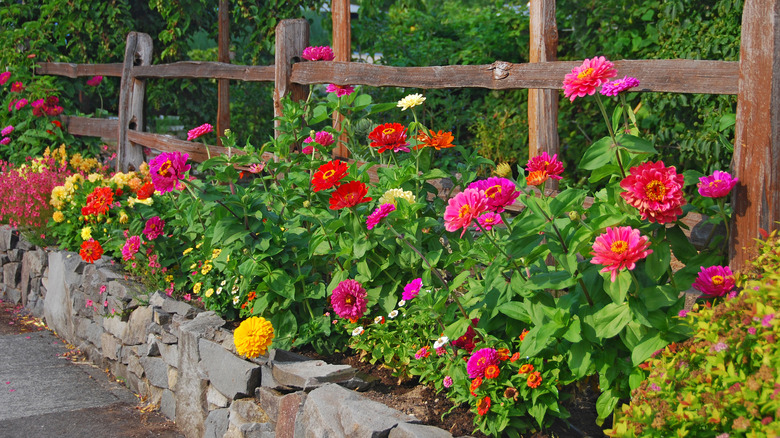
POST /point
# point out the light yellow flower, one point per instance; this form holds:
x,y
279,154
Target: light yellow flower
x,y
253,337
132,201
236,299
144,169
187,251
196,288
215,253
94,177
206,268
391,195
168,278
86,233
410,101
209,292
123,217
219,290
503,170
199,245
58,216
193,266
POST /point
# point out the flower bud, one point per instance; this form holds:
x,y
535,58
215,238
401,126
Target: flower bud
x,y
574,216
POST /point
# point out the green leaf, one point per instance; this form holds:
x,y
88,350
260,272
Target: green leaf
x,y
566,200
605,405
649,344
539,338
457,281
574,333
281,283
616,117
681,246
635,144
514,310
557,280
381,107
617,289
611,319
319,114
658,261
602,172
537,410
579,359
597,155
658,297
457,329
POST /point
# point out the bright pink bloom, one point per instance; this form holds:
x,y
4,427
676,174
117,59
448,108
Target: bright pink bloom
x,y
203,129
422,353
499,192
480,360
766,321
17,87
257,167
21,103
167,169
89,303
131,247
412,289
308,149
37,103
583,80
5,140
618,248
718,185
715,281
380,213
154,228
318,53
613,88
4,76
552,166
7,130
340,90
463,208
655,190
489,220
94,81
349,300
323,138
447,382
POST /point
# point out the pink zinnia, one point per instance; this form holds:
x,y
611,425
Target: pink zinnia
x,y
7,130
655,190
131,247
323,138
613,88
167,169
203,129
340,90
499,192
257,167
422,353
349,300
552,166
463,208
489,220
718,185
5,140
21,104
618,248
447,382
412,289
583,80
94,81
17,87
4,76
715,281
480,360
380,213
154,228
318,53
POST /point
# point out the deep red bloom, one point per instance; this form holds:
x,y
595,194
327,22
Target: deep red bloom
x,y
389,137
349,195
99,201
17,87
329,175
91,251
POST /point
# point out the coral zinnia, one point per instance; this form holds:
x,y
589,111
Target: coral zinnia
x,y
91,251
491,371
718,185
412,289
715,281
534,379
349,299
167,169
318,53
329,175
437,140
618,248
536,178
253,336
154,227
145,191
655,190
380,213
480,360
203,129
613,88
389,137
349,195
463,208
552,166
500,192
483,406
583,80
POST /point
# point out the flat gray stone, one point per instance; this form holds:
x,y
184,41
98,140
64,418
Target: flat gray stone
x,y
230,375
136,326
409,430
57,307
88,330
14,295
14,255
12,274
169,305
156,371
168,404
246,410
216,398
110,346
217,423
8,238
125,290
115,326
309,374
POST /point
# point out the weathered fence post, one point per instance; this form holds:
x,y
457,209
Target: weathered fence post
x,y
543,104
223,85
292,36
131,101
342,48
756,199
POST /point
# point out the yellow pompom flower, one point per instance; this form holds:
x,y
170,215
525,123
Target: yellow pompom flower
x,y
209,292
94,177
187,251
196,288
86,233
503,170
206,268
253,337
58,216
391,195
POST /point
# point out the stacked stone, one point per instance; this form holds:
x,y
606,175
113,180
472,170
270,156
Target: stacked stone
x,y
24,269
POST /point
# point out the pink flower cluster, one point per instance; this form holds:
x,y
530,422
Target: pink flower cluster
x,y
131,247
717,185
49,106
715,281
154,228
480,360
340,90
586,78
26,195
482,201
380,213
613,88
412,289
4,76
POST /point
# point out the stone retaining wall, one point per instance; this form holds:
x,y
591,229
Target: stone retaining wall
x,y
183,359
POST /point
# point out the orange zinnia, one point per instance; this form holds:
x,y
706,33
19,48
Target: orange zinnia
x,y
491,372
536,178
503,353
525,368
474,385
91,251
534,379
437,140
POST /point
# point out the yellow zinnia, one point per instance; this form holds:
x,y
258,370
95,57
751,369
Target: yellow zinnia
x,y
187,251
206,268
86,233
391,195
253,337
209,292
196,288
58,216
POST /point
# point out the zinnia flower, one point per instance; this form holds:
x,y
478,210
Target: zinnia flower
x,y
437,140
349,299
86,233
145,191
500,192
340,90
410,101
655,190
619,248
167,169
447,382
90,251
475,384
358,331
718,185
525,368
552,166
480,360
21,104
99,201
613,88
483,406
441,342
94,81
715,281
318,53
489,220
203,129
503,170
17,87
466,342
463,208
323,138
491,371
422,353
4,76
536,178
257,167
380,213
391,195
389,137
5,140
349,195
412,289
534,379
154,228
583,80
253,336
131,247
329,175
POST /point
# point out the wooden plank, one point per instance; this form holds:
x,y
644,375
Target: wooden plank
x,y
342,48
207,70
292,37
103,128
667,75
131,101
223,85
77,70
756,199
167,143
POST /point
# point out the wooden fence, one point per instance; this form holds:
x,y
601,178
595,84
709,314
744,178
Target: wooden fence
x,y
756,199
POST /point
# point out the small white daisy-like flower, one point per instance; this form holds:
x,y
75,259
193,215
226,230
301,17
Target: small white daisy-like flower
x,y
219,290
223,282
410,101
379,320
401,303
358,331
235,300
393,314
234,290
442,341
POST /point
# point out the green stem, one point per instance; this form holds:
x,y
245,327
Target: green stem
x,y
508,225
636,281
626,108
493,241
585,290
611,133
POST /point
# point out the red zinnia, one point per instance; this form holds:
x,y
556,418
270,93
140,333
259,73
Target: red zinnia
x,y
99,201
91,251
474,385
483,406
525,368
491,372
349,195
551,165
655,190
145,191
329,175
389,137
17,87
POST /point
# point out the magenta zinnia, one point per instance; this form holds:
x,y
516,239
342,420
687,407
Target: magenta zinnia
x,y
655,190
7,130
318,53
480,360
349,300
715,281
131,247
717,185
380,213
154,228
4,76
340,90
94,81
167,169
489,220
613,88
619,248
203,129
583,80
412,289
499,192
552,166
463,208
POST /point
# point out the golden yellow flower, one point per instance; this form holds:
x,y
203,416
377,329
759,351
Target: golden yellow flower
x,y
503,170
58,216
86,233
132,201
199,245
144,169
193,266
209,292
187,251
169,278
253,337
123,218
206,268
89,164
196,288
77,178
391,195
135,183
215,253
